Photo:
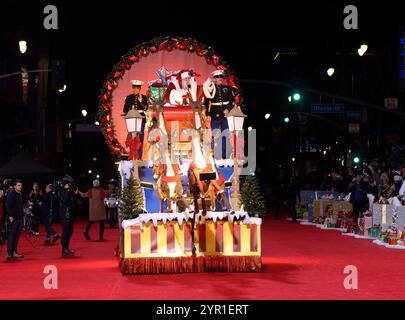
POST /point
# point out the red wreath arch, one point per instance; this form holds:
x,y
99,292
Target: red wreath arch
x,y
133,56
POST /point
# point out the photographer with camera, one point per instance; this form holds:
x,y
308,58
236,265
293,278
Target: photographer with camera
x,y
68,203
15,212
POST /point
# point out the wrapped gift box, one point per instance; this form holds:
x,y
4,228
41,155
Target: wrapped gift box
x,y
157,92
393,241
365,222
341,207
374,231
321,207
382,215
330,222
300,212
400,223
307,197
362,232
351,226
326,194
310,212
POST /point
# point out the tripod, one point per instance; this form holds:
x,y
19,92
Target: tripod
x,y
30,227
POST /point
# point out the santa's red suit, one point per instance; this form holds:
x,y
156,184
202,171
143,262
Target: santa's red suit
x,y
180,93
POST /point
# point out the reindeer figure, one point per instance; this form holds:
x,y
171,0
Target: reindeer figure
x,y
168,183
165,172
199,164
199,189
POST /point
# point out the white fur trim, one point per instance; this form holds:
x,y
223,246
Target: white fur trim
x,y
176,97
209,89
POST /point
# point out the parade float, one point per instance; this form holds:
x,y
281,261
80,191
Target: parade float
x,y
181,207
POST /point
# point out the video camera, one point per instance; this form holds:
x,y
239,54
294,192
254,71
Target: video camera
x,y
66,180
6,183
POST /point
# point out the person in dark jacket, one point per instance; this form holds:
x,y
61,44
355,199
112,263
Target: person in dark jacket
x,y
49,209
292,192
136,100
219,102
358,196
15,213
139,102
68,203
276,199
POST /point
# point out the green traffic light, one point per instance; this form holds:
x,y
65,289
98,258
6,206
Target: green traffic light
x,y
286,119
356,159
297,97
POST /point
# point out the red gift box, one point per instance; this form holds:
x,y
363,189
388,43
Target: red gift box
x,y
392,241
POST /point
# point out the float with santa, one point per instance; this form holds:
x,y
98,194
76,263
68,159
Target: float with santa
x,y
171,112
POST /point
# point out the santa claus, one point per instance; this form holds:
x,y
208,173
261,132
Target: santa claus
x,y
183,89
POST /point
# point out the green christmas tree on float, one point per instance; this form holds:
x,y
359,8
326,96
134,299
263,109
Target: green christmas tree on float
x,y
251,197
131,200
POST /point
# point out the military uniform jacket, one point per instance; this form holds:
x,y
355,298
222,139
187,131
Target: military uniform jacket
x,y
223,99
133,100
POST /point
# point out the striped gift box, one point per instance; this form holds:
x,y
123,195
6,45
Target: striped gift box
x,y
382,215
224,238
165,240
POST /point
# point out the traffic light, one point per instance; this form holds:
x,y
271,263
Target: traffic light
x,y
58,74
356,160
286,119
295,97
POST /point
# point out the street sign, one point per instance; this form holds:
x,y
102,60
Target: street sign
x,y
354,127
353,114
401,53
391,103
327,108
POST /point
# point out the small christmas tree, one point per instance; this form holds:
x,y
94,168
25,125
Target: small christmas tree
x,y
251,197
131,200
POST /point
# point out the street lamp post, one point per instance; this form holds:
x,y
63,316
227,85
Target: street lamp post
x,y
133,121
235,120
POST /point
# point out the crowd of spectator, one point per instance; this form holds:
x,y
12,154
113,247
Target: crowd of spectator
x,y
58,202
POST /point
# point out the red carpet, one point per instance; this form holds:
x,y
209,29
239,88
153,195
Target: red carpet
x,y
301,262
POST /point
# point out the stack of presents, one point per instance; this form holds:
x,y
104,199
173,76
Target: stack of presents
x,y
384,222
324,207
391,222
